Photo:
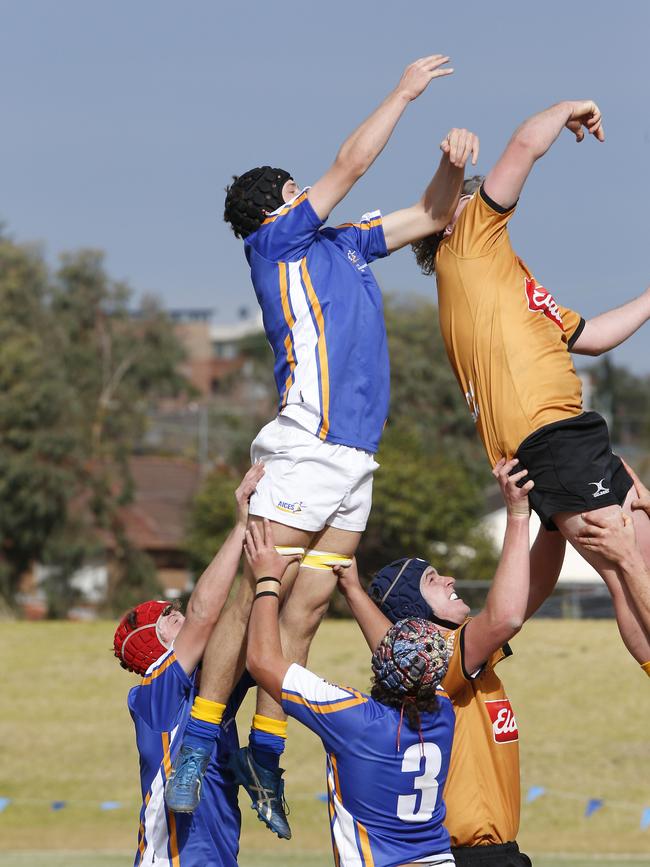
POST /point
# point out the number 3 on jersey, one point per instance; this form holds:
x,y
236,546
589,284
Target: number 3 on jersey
x,y
426,782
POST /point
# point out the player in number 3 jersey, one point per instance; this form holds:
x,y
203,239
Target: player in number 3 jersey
x,y
387,753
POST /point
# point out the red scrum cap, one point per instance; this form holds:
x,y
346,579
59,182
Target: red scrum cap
x,y
136,643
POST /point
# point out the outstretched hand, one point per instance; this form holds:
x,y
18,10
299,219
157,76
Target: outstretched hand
x,y
516,498
585,114
419,74
612,536
246,490
264,560
458,144
347,577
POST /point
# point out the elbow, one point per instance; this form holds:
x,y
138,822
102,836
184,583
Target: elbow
x,y
353,162
526,146
507,624
253,663
204,612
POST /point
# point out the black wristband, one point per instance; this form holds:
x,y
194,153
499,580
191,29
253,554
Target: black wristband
x,y
267,593
260,580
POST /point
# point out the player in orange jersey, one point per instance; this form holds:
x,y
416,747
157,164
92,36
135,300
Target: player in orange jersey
x,y
509,343
482,792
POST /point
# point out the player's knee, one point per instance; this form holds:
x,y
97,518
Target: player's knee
x,y
302,622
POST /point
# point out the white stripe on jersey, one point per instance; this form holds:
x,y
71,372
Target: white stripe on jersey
x,y
156,830
312,687
343,827
305,340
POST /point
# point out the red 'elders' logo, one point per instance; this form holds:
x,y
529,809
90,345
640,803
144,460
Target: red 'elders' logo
x,y
539,299
504,724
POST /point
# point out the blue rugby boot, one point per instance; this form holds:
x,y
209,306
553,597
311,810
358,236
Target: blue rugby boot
x,y
266,790
183,788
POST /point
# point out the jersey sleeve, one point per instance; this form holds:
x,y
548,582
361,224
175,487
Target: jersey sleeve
x,y
334,713
455,679
457,676
286,234
366,236
573,324
161,694
481,226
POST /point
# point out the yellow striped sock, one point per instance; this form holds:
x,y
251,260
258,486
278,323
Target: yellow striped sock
x,y
646,667
207,711
269,725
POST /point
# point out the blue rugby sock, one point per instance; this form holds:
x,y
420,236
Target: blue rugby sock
x,y
267,746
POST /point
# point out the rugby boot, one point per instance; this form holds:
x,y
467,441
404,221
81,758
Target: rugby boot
x,y
183,788
265,788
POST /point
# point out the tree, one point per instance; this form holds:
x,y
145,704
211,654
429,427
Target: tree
x,y
425,397
119,363
212,516
37,413
78,370
424,505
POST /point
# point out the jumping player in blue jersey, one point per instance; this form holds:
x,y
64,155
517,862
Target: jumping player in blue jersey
x,y
388,752
323,316
156,641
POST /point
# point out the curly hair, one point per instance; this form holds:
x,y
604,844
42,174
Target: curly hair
x,y
413,706
425,252
426,249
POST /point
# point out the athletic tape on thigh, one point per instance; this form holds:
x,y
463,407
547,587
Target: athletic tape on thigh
x,y
288,550
324,560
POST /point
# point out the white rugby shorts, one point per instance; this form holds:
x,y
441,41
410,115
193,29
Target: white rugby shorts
x,y
308,483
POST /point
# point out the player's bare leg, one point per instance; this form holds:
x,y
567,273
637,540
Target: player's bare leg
x,y
257,767
630,626
223,665
641,525
307,604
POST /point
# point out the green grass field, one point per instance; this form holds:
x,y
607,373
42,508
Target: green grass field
x,y
582,706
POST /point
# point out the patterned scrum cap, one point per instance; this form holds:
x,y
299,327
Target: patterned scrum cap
x,y
252,194
395,589
411,659
136,642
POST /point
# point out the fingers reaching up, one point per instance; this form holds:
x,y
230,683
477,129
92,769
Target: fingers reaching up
x,y
585,115
420,73
459,145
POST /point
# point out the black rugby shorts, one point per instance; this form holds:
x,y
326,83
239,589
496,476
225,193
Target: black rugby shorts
x,y
494,855
572,465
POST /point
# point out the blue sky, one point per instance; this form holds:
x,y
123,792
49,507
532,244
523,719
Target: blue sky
x,y
122,122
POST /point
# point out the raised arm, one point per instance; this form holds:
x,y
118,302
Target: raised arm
x,y
610,329
505,606
265,659
435,209
546,559
212,588
361,149
532,139
372,622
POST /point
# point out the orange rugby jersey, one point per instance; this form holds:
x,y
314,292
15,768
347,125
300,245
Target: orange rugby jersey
x,y
507,339
482,791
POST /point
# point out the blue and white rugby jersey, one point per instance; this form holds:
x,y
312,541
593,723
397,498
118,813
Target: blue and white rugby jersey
x,y
324,318
160,707
385,805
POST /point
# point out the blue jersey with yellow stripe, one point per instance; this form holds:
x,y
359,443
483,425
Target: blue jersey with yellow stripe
x,y
323,316
160,707
385,800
